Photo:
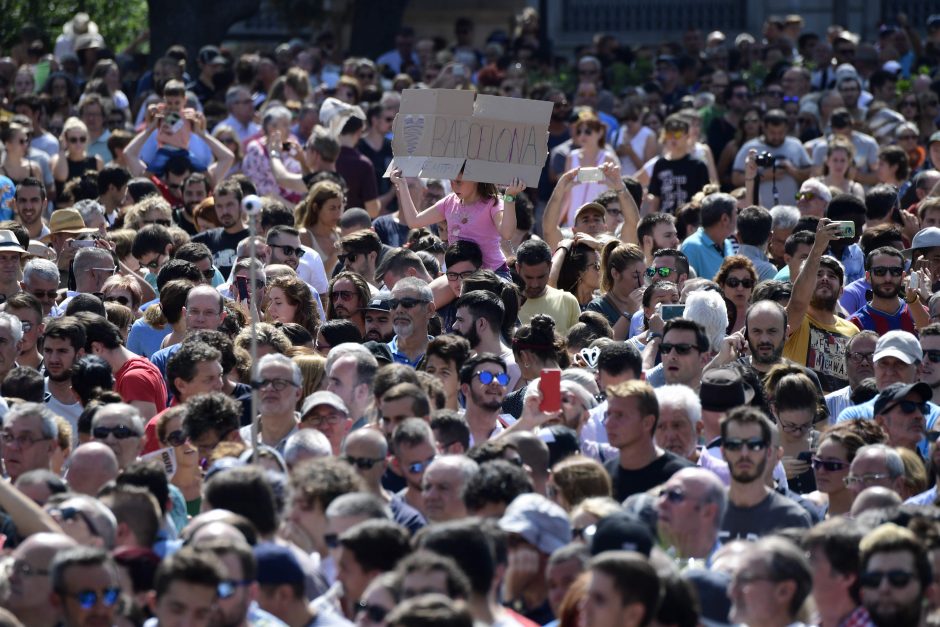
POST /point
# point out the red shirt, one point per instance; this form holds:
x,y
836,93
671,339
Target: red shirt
x,y
140,380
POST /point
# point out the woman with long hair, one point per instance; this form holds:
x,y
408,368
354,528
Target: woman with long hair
x,y
796,405
16,165
834,453
73,159
227,136
839,166
636,142
188,476
317,219
737,278
580,272
290,300
623,268
906,136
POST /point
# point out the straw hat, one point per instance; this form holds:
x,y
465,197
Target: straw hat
x,y
66,221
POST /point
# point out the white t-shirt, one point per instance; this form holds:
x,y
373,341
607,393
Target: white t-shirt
x,y
70,412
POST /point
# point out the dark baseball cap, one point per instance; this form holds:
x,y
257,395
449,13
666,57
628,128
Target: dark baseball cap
x,y
723,389
211,54
621,532
379,302
897,391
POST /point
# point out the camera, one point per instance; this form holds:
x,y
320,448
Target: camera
x,y
765,159
251,204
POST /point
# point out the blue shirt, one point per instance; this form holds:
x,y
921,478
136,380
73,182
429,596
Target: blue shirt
x,y
765,269
867,411
145,340
705,255
401,358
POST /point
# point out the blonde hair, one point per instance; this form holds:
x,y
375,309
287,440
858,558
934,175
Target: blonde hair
x,y
73,123
134,217
312,372
307,212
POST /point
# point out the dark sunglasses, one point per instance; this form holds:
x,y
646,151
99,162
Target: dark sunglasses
x,y
78,140
682,349
290,251
829,465
118,299
583,131
488,377
895,271
663,272
165,223
89,598
227,589
897,578
407,303
331,540
40,294
673,495
375,613
176,438
733,282
417,467
348,257
908,407
343,294
120,432
362,463
209,274
71,513
933,356
736,444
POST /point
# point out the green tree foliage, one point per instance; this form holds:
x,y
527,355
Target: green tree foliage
x,y
119,21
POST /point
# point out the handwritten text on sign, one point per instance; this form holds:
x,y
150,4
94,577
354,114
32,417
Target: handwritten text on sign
x,y
438,133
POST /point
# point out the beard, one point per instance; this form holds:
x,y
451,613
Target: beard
x,y
895,614
775,354
756,474
886,290
65,375
480,400
471,336
824,303
403,329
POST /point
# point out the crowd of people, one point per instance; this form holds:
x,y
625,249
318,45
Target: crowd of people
x,y
251,374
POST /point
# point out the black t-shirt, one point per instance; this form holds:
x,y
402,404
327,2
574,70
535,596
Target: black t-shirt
x,y
674,182
180,220
391,233
380,159
626,482
720,132
773,513
222,245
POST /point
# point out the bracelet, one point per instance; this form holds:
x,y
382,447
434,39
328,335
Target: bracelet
x,y
274,154
911,301
509,198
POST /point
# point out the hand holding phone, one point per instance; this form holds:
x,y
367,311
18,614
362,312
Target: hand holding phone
x,y
590,175
241,288
550,387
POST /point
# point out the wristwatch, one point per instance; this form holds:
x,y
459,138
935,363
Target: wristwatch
x,y
654,336
509,198
274,154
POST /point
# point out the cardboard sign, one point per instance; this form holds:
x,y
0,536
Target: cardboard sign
x,y
492,138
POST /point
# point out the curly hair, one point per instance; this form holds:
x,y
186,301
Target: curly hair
x,y
298,294
735,262
307,212
134,217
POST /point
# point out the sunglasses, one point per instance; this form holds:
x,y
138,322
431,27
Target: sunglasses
x,y
227,589
407,303
674,134
289,251
89,598
279,385
418,467
908,407
122,300
896,578
857,357
27,326
829,465
736,444
663,272
176,438
41,294
932,356
348,257
734,282
895,271
673,495
71,513
120,432
805,196
488,377
682,349
78,140
362,463
209,274
583,131
794,99
375,613
343,295
165,223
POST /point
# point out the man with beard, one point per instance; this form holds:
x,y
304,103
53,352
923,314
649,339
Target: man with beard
x,y
284,242
860,366
895,576
63,343
412,307
196,188
361,252
820,339
378,319
348,295
657,231
484,383
223,240
478,319
792,163
29,202
884,270
534,264
754,509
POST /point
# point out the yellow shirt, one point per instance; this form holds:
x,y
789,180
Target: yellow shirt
x,y
559,305
821,348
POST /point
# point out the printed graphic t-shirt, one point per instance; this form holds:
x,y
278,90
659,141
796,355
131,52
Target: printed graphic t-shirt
x,y
821,348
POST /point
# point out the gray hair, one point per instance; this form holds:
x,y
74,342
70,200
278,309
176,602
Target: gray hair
x,y
582,377
282,360
708,309
49,428
784,216
579,391
893,461
466,466
233,93
416,284
306,444
14,324
357,504
88,258
680,397
42,269
120,409
275,113
366,363
89,209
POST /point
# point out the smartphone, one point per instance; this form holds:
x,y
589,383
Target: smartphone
x,y
805,456
590,175
846,229
241,285
668,312
82,243
550,387
175,121
914,282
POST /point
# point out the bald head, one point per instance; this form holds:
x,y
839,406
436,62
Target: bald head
x,y
217,530
875,497
30,602
91,466
369,441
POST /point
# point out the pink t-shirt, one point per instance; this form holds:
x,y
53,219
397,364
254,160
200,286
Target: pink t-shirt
x,y
474,223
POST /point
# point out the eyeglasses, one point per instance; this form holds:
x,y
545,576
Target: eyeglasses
x,y
896,578
362,463
895,271
829,465
673,495
89,598
857,357
865,479
752,120
663,272
343,294
43,294
486,377
736,444
407,303
418,467
375,613
463,276
22,441
318,420
682,349
734,282
121,432
25,569
110,270
122,300
279,385
791,427
78,140
289,251
176,438
227,589
908,407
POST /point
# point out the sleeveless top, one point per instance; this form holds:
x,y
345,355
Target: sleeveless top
x,y
638,143
583,193
30,174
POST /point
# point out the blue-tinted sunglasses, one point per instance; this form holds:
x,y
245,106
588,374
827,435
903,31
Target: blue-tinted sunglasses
x,y
488,377
89,598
